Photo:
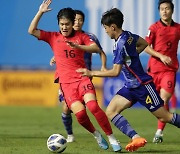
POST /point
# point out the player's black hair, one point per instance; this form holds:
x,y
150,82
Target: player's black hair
x,y
67,13
113,16
80,13
166,1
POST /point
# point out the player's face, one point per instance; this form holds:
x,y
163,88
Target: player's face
x,y
165,12
109,31
65,26
78,23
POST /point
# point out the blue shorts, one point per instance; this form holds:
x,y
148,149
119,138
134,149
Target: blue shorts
x,y
146,95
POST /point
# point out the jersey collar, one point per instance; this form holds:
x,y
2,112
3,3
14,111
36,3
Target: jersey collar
x,y
172,23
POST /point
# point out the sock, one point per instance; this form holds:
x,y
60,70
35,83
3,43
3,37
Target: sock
x,y
175,120
161,125
100,116
67,121
123,125
84,121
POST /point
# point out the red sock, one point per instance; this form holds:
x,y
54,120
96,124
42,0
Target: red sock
x,y
161,125
100,116
84,121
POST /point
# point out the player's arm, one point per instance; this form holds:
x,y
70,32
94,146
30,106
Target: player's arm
x,y
44,7
108,73
103,60
165,59
141,45
92,48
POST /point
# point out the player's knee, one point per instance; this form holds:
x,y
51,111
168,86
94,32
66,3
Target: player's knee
x,y
93,106
109,113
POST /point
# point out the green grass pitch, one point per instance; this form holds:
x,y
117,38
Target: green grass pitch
x,y
24,130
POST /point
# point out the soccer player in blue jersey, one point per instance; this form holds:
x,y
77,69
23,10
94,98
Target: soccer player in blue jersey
x,y
138,86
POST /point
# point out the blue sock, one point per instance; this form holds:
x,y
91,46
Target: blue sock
x,y
67,121
175,120
123,125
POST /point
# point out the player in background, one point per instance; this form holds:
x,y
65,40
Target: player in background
x,y
164,36
69,47
66,113
139,86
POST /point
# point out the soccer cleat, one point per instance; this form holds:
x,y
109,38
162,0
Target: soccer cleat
x,y
135,144
70,138
116,147
158,138
101,141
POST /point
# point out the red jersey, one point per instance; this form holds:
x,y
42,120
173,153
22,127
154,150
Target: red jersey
x,y
164,39
68,59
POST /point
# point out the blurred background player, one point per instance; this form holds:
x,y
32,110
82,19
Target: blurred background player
x,y
69,47
66,113
164,36
139,86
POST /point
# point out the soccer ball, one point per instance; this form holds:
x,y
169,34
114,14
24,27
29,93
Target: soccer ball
x,y
56,143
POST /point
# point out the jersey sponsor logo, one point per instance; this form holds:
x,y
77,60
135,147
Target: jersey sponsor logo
x,y
148,100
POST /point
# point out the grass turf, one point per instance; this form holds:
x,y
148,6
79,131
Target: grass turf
x,y
24,130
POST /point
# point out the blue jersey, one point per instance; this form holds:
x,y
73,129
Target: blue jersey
x,y
87,55
125,53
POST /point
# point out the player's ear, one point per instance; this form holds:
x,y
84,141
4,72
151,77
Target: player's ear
x,y
113,27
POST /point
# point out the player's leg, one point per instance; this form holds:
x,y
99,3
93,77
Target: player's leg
x,y
99,114
66,118
67,121
158,138
167,84
116,106
102,120
165,116
74,102
83,119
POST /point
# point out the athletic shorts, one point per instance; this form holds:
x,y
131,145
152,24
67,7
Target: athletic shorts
x,y
146,95
164,80
75,91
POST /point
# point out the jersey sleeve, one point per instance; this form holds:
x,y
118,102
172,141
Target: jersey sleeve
x,y
119,54
151,35
45,36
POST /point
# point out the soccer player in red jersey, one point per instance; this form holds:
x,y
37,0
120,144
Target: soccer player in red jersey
x,y
66,113
164,36
68,47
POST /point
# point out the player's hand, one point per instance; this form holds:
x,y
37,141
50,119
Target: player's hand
x,y
44,7
84,72
52,61
166,60
72,44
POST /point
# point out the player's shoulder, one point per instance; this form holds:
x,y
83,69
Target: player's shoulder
x,y
155,25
